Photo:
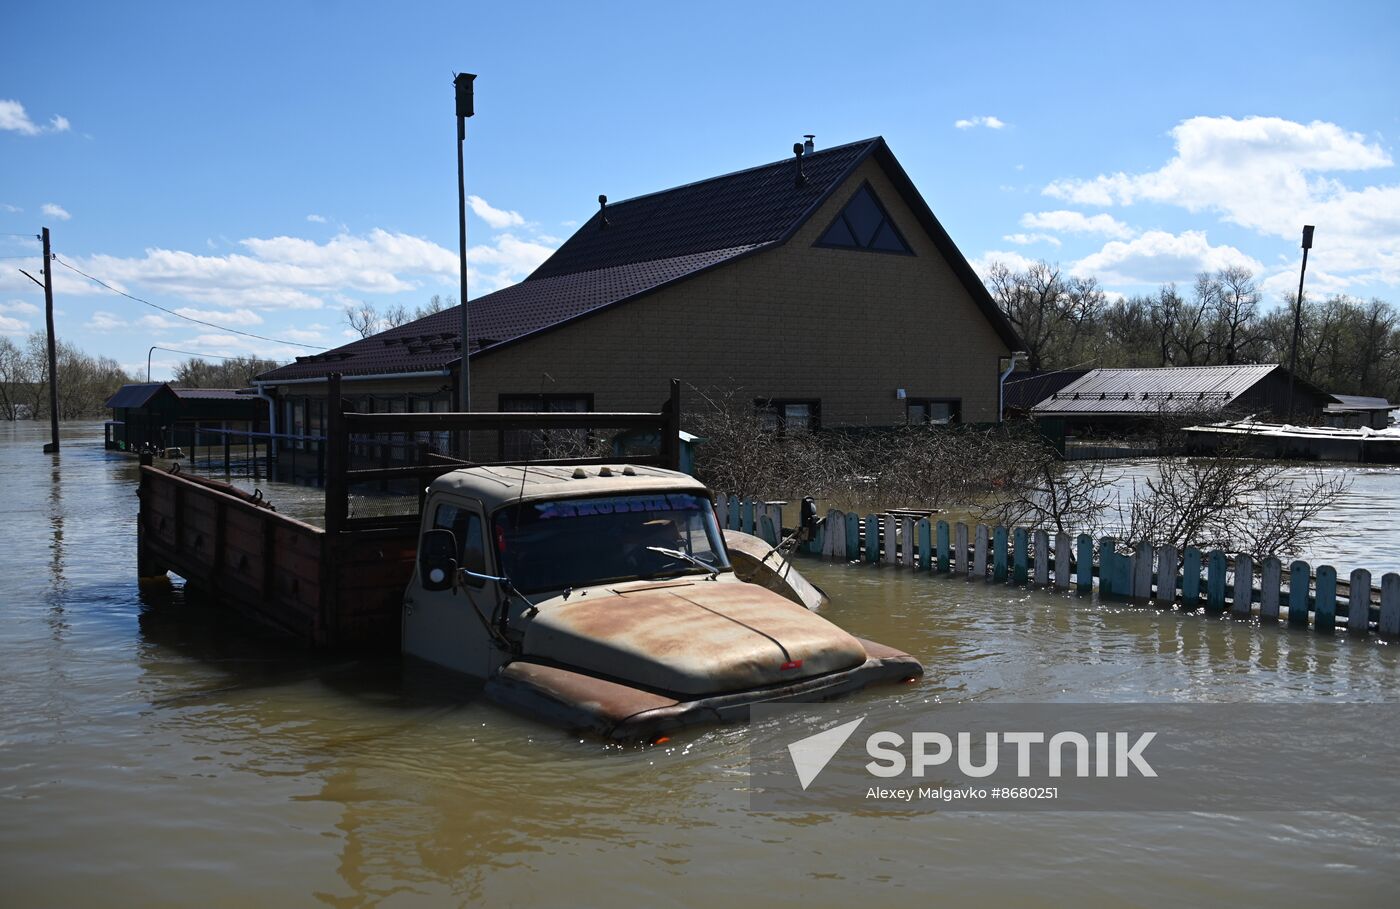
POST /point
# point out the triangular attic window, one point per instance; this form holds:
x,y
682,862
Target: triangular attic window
x,y
863,224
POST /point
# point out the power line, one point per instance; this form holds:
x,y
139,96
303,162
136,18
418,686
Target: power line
x,y
192,353
246,334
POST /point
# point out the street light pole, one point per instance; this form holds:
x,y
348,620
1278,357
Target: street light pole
x,y
1298,317
465,108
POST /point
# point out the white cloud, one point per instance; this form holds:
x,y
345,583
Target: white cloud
x,y
222,316
294,273
1158,257
19,306
106,321
495,218
1272,176
569,223
1028,239
511,257
14,118
55,211
12,209
316,219
974,122
12,326
1012,260
1074,222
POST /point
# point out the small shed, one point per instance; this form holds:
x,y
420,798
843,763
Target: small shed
x,y
1358,411
163,416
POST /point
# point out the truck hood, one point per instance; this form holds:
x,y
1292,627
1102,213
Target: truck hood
x,y
698,638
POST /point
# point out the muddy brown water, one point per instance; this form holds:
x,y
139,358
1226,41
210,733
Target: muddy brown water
x,y
154,752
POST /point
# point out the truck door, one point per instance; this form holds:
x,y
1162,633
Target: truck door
x,y
449,627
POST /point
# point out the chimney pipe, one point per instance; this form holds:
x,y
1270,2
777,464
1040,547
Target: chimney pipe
x,y
603,210
797,151
810,145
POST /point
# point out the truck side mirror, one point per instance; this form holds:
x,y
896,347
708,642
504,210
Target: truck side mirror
x,y
437,559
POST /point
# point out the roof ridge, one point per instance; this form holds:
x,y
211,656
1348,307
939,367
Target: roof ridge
x,y
734,173
1204,366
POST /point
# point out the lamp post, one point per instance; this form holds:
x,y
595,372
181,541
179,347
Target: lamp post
x,y
1298,317
465,108
156,347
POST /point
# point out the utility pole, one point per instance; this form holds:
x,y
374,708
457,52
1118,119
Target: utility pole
x,y
466,107
53,346
1298,317
51,446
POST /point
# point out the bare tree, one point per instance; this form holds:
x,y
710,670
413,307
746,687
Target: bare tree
x,y
436,303
1048,310
231,373
16,377
365,319
1236,305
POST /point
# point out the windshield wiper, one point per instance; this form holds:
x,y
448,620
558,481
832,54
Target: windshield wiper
x,y
684,556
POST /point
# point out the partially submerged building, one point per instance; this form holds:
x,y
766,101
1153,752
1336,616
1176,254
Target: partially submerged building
x,y
162,416
1358,411
821,287
1126,400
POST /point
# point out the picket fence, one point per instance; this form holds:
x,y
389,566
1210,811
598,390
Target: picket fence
x,y
1264,588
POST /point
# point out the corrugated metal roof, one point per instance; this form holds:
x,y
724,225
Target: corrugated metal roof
x,y
222,394
1146,391
1346,403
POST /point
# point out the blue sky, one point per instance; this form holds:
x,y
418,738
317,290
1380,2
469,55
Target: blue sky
x,y
262,165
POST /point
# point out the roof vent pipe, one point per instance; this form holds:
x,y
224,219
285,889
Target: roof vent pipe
x,y
603,210
810,145
797,151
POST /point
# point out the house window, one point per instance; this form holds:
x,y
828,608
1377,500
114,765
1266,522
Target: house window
x,y
783,415
437,440
529,444
864,224
932,411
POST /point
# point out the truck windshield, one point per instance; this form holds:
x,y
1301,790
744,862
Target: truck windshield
x,y
564,543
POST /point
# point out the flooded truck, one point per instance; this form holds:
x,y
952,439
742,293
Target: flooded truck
x,y
594,593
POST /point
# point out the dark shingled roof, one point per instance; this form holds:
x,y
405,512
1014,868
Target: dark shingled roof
x,y
139,395
747,208
134,395
650,241
1026,389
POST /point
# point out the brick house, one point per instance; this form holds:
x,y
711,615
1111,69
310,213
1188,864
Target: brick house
x,y
833,298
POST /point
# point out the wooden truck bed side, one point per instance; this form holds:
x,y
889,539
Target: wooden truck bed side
x,y
275,569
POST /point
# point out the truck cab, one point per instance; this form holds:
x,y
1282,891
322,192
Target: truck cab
x,y
602,596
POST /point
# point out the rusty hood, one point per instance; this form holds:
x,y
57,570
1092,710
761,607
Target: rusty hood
x,y
705,637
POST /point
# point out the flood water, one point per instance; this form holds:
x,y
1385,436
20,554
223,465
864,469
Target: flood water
x,y
154,752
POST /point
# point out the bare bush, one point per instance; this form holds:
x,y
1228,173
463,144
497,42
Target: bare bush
x,y
1221,502
924,466
1229,503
